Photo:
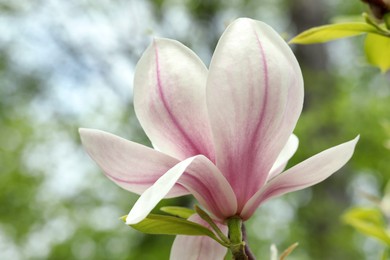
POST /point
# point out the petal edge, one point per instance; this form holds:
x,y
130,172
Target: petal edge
x,y
307,173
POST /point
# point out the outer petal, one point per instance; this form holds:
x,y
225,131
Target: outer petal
x,y
152,196
199,176
254,98
198,247
132,166
288,151
169,99
309,172
210,188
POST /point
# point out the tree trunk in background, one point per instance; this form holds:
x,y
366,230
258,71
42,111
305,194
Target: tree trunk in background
x,y
304,15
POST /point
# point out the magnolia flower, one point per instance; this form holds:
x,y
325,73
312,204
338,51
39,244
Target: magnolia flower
x,y
223,135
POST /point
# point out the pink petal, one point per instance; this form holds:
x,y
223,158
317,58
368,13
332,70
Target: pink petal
x,y
254,98
154,194
201,177
169,100
210,188
288,151
132,166
307,173
198,247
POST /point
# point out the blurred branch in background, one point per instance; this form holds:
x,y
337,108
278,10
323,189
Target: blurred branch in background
x,y
69,64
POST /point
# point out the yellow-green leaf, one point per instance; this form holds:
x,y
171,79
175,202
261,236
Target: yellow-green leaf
x,y
331,32
168,225
377,50
180,212
369,222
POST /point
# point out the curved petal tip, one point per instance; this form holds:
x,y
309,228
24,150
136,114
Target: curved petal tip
x,y
154,194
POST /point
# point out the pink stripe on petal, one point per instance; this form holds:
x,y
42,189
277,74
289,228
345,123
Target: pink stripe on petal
x,y
169,100
254,98
132,166
198,247
307,173
191,147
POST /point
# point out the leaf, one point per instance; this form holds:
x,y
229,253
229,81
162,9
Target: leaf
x,y
331,32
369,222
180,212
377,50
168,225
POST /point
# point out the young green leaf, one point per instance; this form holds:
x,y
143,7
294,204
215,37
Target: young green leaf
x,y
331,32
180,212
168,225
369,222
377,49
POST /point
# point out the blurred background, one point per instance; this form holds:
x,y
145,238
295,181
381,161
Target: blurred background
x,y
70,64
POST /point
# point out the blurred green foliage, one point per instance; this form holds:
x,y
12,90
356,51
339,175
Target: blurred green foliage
x,y
373,220
65,65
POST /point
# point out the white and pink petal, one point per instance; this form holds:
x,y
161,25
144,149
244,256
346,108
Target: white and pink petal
x,y
169,100
288,151
155,193
305,174
210,188
132,166
254,97
198,247
198,175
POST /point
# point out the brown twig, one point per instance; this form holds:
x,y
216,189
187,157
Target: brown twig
x,y
247,249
